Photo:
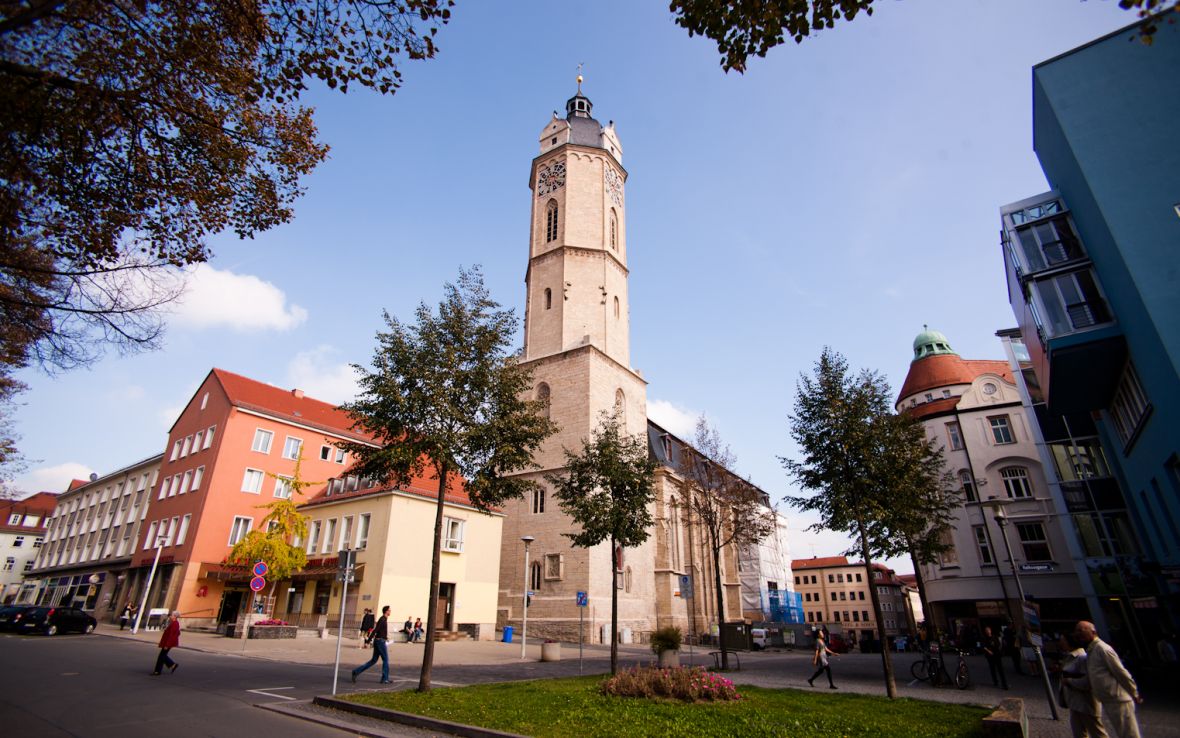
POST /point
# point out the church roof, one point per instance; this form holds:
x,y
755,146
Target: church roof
x,y
584,130
669,451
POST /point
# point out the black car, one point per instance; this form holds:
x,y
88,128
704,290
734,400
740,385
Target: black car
x,y
8,615
54,620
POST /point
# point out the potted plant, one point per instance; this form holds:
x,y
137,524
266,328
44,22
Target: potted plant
x,y
665,643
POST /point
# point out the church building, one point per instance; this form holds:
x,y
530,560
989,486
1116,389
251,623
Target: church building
x,y
577,344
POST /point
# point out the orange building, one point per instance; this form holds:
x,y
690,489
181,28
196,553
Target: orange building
x,y
213,487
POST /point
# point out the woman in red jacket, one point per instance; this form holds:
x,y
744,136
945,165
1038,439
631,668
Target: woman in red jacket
x,y
168,641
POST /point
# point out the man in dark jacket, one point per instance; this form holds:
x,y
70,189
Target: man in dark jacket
x,y
168,641
380,650
993,651
367,623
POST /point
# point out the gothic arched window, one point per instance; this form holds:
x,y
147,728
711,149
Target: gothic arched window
x,y
548,298
551,221
614,230
543,396
621,406
535,575
616,307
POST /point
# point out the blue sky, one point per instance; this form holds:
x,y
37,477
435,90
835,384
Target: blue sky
x,y
842,192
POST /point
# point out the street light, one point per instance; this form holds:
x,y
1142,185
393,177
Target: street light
x,y
524,627
1002,520
160,541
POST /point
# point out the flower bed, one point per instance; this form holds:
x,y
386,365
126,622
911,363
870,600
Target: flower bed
x,y
264,630
688,684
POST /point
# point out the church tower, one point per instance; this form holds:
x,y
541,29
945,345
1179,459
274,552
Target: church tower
x,y
577,343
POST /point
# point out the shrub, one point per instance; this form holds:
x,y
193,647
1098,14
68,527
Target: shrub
x,y
665,639
271,622
688,684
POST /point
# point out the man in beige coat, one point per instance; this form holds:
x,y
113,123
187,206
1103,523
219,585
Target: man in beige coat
x,y
1085,714
1110,682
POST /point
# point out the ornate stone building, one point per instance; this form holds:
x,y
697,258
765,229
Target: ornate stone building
x,y
577,343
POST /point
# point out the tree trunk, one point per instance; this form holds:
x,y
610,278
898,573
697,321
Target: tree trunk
x,y
435,562
720,600
921,582
614,608
886,660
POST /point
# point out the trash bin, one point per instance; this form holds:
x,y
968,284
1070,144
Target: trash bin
x,y
508,634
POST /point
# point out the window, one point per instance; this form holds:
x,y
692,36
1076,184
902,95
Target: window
x,y
330,538
614,230
949,557
252,481
981,542
855,616
362,532
239,529
198,474
313,540
1016,482
858,577
616,306
831,579
346,533
204,400
843,596
10,563
188,446
283,488
968,485
1034,542
836,615
325,453
197,440
292,447
39,542
209,437
551,221
14,519
1129,407
929,397
1048,243
185,482
28,566
1001,429
341,455
548,298
861,595
538,501
452,535
150,539
621,406
183,532
175,450
955,436
864,615
534,576
18,541
262,439
543,396
833,597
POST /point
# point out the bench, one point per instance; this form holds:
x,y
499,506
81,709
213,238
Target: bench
x,y
717,659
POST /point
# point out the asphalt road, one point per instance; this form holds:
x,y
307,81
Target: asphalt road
x,y
93,686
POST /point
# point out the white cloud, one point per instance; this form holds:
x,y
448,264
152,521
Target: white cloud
x,y
677,420
52,478
317,373
243,302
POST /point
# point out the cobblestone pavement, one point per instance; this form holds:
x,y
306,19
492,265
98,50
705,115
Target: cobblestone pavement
x,y
471,662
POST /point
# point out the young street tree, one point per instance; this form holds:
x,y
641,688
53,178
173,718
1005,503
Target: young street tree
x,y
272,540
445,396
130,131
862,461
741,29
728,510
608,488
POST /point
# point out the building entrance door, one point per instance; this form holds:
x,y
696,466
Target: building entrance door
x,y
231,602
444,612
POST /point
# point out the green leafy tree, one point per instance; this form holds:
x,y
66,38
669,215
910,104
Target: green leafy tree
x,y
445,397
272,541
130,131
862,462
608,488
742,28
728,510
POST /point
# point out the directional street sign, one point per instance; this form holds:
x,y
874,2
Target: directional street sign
x,y
582,599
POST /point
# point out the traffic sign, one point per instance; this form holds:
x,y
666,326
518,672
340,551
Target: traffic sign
x,y
582,599
260,568
686,586
257,584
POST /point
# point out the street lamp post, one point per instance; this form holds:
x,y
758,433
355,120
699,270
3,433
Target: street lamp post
x,y
524,627
1002,520
160,541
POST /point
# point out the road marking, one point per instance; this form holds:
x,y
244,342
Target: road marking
x,y
267,692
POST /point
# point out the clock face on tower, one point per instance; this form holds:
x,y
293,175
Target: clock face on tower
x,y
614,185
550,178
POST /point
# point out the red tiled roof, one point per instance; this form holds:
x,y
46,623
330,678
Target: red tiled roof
x,y
290,405
423,486
910,580
926,409
944,370
819,563
41,504
76,483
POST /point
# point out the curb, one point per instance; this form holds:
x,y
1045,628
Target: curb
x,y
415,721
311,717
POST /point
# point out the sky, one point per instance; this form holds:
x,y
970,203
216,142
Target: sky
x,y
842,192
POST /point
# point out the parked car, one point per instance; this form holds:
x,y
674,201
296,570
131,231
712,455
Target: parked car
x,y
759,638
8,615
54,620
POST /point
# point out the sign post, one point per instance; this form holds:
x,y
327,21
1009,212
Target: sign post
x,y
686,592
345,565
582,601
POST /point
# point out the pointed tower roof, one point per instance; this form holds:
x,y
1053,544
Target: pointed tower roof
x,y
584,130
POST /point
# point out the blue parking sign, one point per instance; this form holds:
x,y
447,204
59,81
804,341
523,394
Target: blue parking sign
x,y
582,599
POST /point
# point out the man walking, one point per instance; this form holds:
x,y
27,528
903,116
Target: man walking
x,y
1085,714
1110,682
993,651
168,641
367,624
821,660
380,650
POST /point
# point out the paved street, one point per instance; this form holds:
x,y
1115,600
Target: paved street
x,y
99,685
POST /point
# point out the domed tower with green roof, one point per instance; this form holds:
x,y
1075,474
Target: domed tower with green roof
x,y
931,343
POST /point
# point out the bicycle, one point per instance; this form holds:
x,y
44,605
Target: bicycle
x,y
932,668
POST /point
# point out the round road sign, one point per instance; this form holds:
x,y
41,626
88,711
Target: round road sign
x,y
257,584
260,568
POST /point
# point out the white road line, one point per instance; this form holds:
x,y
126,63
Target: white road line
x,y
267,692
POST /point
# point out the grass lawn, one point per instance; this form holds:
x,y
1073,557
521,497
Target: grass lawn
x,y
564,708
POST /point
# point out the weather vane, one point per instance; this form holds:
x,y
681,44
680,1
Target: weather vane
x,y
580,65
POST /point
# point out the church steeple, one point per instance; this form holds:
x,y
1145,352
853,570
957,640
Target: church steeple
x,y
578,106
